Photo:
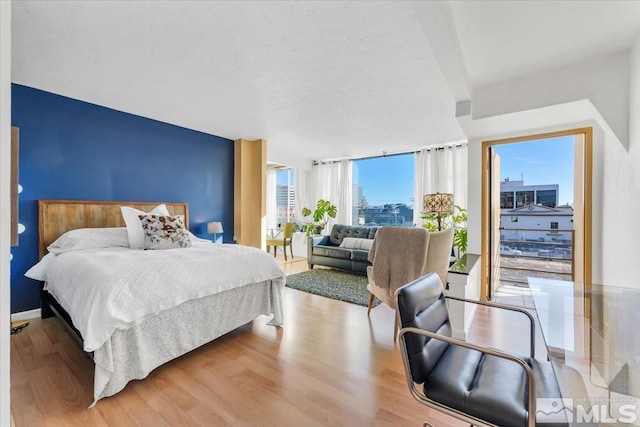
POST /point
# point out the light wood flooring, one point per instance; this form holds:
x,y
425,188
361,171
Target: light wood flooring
x,y
329,365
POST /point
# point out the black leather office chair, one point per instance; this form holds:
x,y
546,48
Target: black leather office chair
x,y
480,385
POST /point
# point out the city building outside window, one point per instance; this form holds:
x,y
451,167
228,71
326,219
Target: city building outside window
x,y
285,197
554,225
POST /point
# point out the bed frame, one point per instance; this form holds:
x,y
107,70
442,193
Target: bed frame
x,y
56,217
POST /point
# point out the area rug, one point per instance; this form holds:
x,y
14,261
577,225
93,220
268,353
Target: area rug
x,y
333,284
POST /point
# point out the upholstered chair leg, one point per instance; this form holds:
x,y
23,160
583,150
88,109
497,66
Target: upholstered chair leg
x,y
291,249
275,249
371,298
284,250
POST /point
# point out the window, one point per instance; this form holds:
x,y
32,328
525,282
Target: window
x,y
547,198
285,196
383,191
506,200
554,225
524,198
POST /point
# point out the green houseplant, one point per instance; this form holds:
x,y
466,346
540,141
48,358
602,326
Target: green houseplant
x,y
457,220
324,210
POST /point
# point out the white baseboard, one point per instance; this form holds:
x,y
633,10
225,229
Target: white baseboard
x,y
26,315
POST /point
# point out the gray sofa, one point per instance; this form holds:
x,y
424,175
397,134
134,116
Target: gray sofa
x,y
326,250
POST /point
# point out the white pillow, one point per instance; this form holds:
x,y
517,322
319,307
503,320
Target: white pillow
x,y
90,238
39,271
356,243
134,226
195,238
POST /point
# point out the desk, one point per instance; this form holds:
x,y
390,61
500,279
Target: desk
x,y
592,333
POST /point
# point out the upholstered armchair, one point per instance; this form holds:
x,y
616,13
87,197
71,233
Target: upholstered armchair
x,y
400,255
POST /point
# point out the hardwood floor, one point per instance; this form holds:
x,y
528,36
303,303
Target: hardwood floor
x,y
329,365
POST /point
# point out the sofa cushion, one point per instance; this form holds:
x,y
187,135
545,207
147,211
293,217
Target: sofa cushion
x,y
332,252
340,231
359,255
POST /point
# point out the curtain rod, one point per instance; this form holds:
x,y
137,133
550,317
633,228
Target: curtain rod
x,y
385,154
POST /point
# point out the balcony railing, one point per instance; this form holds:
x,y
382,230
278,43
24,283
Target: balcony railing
x,y
547,253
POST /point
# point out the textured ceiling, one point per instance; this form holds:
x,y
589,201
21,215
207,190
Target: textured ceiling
x,y
507,39
324,79
318,80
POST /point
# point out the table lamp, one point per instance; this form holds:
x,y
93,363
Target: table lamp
x,y
214,228
438,203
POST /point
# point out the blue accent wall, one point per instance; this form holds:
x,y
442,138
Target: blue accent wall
x,y
71,149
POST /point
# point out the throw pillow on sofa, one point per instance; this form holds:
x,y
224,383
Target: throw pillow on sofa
x,y
356,243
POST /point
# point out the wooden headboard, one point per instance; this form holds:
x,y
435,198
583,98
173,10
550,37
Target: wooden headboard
x,y
56,217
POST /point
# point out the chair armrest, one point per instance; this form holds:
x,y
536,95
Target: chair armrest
x,y
532,331
319,240
315,241
531,404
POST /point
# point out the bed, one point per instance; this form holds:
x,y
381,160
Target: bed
x,y
135,310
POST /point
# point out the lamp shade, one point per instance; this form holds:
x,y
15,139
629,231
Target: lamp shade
x,y
214,228
438,202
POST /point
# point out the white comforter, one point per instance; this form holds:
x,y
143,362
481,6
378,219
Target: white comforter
x,y
116,288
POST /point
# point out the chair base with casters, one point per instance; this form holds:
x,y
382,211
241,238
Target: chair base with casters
x,y
479,385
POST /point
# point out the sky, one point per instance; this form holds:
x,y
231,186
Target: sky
x,y
547,161
385,179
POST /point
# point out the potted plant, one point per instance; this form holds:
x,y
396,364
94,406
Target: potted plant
x,y
324,210
457,220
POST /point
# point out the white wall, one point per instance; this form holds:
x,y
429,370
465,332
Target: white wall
x,y
621,236
604,81
5,212
293,157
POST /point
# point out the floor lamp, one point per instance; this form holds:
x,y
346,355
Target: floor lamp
x,y
438,203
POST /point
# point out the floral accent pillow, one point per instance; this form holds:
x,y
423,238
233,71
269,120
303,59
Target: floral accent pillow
x,y
164,232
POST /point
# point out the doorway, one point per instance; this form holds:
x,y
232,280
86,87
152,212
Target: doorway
x,y
529,228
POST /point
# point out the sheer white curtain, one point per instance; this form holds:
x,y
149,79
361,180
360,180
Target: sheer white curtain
x,y
303,192
440,170
333,182
272,208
